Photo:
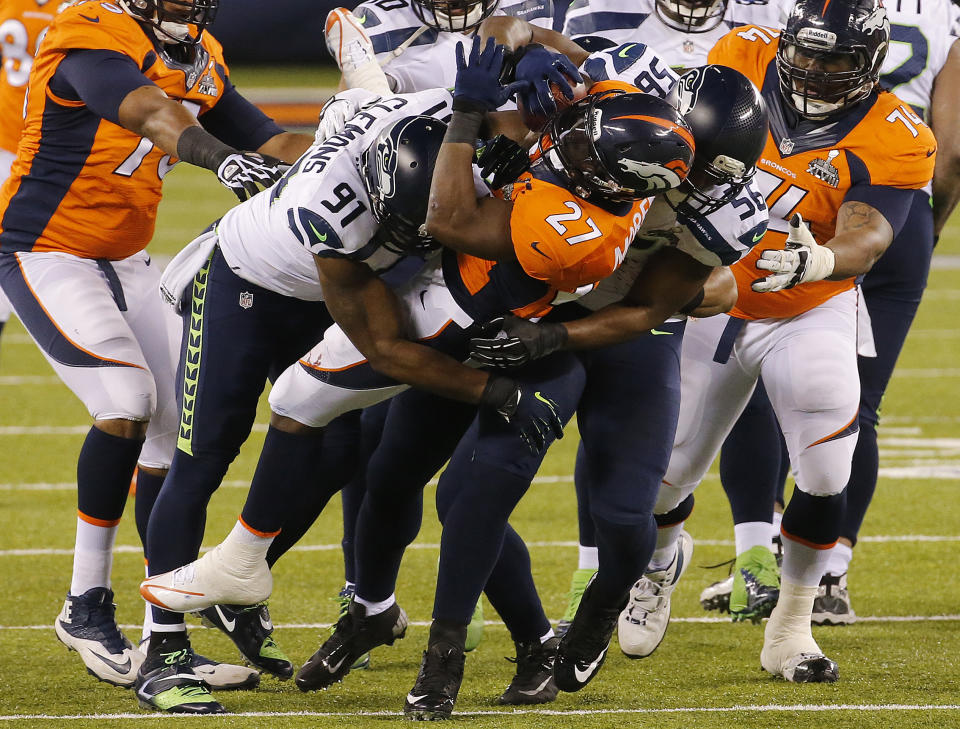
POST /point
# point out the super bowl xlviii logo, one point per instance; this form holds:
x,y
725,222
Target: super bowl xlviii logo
x,y
824,170
208,86
246,299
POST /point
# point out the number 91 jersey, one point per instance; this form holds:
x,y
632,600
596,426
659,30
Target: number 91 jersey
x,y
811,168
319,207
22,27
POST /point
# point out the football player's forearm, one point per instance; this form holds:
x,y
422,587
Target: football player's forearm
x,y
614,324
453,198
427,369
149,112
863,234
287,146
719,294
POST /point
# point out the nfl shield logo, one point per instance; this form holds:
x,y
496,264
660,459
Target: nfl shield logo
x,y
688,46
786,146
246,299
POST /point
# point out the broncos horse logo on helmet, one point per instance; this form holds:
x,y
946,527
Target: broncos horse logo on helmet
x,y
729,122
397,171
178,22
618,146
829,54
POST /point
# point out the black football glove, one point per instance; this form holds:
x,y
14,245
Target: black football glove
x,y
514,341
244,173
534,414
478,86
541,69
501,160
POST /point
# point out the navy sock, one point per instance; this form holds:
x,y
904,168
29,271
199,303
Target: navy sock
x,y
814,519
351,498
329,463
863,480
104,470
624,550
473,535
512,592
582,485
751,460
288,464
179,514
148,488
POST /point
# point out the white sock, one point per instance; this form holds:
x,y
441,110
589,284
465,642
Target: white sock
x,y
588,558
751,534
92,556
147,615
165,628
803,565
794,607
546,636
839,561
247,545
375,608
775,523
664,555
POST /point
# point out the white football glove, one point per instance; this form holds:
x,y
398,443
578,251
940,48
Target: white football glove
x,y
340,109
802,260
245,173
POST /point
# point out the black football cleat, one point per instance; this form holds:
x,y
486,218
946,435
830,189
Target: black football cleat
x,y
533,682
166,681
583,648
251,630
441,673
354,635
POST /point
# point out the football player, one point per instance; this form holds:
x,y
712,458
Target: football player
x,y
275,273
682,31
847,157
116,92
922,68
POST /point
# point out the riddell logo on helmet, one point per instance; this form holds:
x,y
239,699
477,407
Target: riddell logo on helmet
x,y
817,37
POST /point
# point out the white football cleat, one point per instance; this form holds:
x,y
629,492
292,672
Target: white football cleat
x,y
789,649
86,624
352,50
218,577
644,621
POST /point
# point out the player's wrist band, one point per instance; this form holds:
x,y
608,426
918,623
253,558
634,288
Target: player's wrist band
x,y
464,126
689,307
199,147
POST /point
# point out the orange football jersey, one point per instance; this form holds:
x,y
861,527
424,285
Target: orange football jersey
x,y
563,243
80,183
22,26
879,142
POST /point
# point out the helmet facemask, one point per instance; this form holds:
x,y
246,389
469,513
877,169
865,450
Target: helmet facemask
x,y
710,186
691,16
174,22
453,16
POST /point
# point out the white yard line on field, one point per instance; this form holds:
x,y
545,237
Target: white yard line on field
x,y
134,549
736,709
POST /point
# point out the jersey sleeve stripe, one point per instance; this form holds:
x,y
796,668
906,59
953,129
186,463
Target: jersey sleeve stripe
x,y
599,22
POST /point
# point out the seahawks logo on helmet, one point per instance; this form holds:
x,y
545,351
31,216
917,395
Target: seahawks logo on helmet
x,y
688,90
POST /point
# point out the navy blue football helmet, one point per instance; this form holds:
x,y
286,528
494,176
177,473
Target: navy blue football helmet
x,y
618,146
171,20
729,122
691,16
453,16
830,53
397,170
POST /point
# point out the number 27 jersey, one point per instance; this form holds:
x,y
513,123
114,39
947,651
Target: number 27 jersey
x,y
810,169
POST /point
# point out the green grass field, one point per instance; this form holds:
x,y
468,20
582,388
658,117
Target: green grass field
x,y
897,664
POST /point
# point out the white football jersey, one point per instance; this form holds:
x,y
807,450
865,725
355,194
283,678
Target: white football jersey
x,y
320,207
416,57
633,63
637,21
719,239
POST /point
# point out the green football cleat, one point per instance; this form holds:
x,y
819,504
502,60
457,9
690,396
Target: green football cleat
x,y
343,599
170,685
756,585
475,628
577,585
